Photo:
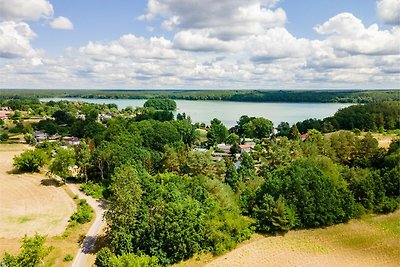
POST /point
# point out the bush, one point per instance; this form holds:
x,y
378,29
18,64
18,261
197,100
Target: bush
x,y
93,189
30,160
83,214
4,137
105,258
68,258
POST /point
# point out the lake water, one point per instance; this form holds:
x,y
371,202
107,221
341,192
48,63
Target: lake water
x,y
230,112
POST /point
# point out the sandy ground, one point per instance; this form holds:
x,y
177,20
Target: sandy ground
x,y
26,205
357,243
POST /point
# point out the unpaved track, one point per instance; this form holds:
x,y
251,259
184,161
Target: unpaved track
x,y
99,224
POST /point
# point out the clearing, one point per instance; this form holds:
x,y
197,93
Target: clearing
x,y
28,202
371,241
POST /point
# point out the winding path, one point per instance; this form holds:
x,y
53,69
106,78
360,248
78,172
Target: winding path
x,y
87,245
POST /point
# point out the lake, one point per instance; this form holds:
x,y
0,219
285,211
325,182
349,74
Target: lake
x,y
230,112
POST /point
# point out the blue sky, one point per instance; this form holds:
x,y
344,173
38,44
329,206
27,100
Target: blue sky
x,y
266,44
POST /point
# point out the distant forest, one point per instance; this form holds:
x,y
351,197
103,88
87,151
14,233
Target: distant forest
x,y
309,96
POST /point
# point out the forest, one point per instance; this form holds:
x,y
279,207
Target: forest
x,y
169,200
293,96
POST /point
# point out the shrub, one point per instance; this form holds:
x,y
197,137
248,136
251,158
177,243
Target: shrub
x,y
30,160
68,258
93,189
83,214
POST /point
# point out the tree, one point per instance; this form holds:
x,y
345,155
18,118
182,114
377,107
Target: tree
x,y
82,158
294,133
283,129
160,104
258,128
4,137
124,203
231,175
32,253
232,139
313,188
64,160
217,133
29,138
30,160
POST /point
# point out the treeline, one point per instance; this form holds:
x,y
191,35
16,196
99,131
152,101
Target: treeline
x,y
371,117
316,96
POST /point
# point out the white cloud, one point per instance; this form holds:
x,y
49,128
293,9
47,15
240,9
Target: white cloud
x,y
15,40
62,23
199,41
223,19
25,9
348,34
389,11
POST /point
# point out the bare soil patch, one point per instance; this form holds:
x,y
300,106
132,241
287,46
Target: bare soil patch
x,y
28,203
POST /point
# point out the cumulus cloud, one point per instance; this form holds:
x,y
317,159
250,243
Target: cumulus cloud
x,y
389,11
25,9
62,23
224,19
348,34
15,40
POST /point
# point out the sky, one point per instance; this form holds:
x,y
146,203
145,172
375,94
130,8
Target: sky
x,y
207,44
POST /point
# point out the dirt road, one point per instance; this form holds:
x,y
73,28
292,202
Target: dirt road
x,y
99,224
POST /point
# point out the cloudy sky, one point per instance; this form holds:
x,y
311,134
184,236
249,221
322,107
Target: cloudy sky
x,y
195,44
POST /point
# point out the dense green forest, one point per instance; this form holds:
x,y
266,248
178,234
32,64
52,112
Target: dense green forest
x,y
317,96
167,201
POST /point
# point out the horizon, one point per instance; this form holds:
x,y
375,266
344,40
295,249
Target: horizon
x,y
175,45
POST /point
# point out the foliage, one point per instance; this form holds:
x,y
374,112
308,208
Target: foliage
x,y
32,253
93,189
171,217
160,104
30,160
314,191
62,163
105,258
83,214
217,133
68,258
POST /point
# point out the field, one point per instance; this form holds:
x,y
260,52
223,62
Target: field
x,y
29,203
371,241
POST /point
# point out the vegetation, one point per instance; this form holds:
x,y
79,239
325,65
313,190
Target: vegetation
x,y
160,104
321,96
32,253
168,202
30,160
83,214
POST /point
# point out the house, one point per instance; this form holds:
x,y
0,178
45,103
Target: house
x,y
304,136
40,136
73,141
246,148
219,156
224,147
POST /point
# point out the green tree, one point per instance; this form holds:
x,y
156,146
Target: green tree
x,y
283,129
30,160
29,138
294,133
217,133
124,203
258,128
82,158
63,162
232,139
32,253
